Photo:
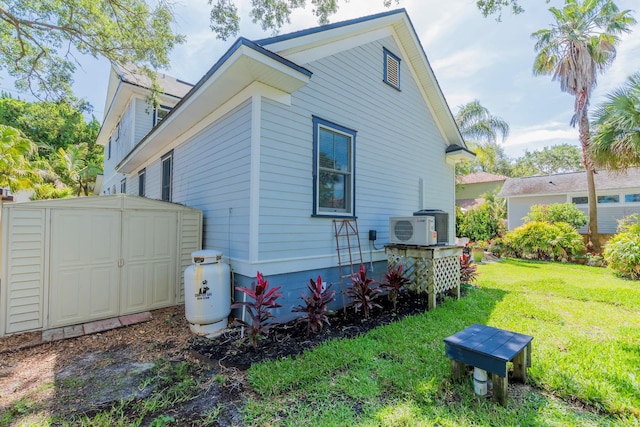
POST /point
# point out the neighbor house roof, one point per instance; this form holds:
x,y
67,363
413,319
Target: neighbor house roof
x,y
575,182
481,177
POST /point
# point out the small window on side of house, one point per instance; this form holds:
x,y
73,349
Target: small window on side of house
x,y
123,185
109,148
632,198
391,69
610,198
142,177
160,113
582,200
117,132
167,171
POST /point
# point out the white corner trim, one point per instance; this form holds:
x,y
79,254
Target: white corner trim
x,y
254,180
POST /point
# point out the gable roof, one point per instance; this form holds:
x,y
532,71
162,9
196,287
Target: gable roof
x,y
313,43
480,178
244,63
575,182
247,62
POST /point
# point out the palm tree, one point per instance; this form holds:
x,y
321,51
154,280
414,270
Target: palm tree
x,y
477,124
480,130
580,44
616,143
16,170
75,169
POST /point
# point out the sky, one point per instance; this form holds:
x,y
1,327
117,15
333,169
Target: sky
x,y
473,57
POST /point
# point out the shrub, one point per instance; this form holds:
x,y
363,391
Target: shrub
x,y
262,301
557,212
315,305
478,223
393,282
468,271
543,240
361,292
622,252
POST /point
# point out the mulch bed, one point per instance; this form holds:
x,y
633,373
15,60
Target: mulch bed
x,y
290,339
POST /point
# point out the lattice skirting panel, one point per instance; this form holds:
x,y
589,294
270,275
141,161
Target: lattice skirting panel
x,y
429,270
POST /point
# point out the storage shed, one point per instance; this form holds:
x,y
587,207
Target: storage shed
x,y
70,261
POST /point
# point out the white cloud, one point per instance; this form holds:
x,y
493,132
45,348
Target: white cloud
x,y
538,136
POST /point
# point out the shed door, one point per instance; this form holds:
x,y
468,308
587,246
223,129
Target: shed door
x,y
84,273
149,242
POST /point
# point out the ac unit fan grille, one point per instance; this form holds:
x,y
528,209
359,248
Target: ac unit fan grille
x,y
403,230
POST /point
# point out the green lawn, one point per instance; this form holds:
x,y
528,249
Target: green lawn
x,y
585,360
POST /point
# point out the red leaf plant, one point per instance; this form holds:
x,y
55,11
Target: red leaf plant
x,y
393,282
468,271
258,308
315,306
362,294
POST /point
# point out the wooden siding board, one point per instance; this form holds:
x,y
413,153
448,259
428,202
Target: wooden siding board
x,y
143,120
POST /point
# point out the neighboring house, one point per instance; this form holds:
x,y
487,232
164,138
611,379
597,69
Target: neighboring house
x,y
471,187
618,195
283,136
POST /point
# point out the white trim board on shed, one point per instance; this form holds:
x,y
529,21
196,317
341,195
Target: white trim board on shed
x,y
70,261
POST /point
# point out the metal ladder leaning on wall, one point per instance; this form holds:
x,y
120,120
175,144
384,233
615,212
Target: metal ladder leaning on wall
x,y
349,251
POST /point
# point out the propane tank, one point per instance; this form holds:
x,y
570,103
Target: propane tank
x,y
207,293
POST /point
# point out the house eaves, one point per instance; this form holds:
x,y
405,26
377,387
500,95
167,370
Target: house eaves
x,y
124,85
297,45
244,63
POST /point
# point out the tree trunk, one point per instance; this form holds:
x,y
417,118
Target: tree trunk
x,y
593,237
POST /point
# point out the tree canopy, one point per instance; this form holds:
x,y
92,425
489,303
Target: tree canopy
x,y
561,158
616,142
57,146
39,39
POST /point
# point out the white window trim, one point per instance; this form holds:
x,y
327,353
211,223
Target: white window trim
x,y
350,211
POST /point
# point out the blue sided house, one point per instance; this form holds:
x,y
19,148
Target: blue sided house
x,y
286,137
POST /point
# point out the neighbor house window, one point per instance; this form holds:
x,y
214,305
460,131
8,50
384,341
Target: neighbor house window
x,y
391,69
632,198
109,149
160,113
142,176
167,170
580,200
123,185
612,198
334,181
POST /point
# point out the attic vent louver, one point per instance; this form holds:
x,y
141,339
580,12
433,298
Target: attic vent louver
x,y
391,69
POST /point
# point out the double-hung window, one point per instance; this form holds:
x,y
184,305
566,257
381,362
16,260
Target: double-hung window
x,y
334,169
167,171
123,185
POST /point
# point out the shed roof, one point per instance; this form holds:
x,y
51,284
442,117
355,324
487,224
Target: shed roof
x,y
575,182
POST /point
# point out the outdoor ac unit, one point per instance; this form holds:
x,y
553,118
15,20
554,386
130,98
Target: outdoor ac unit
x,y
413,230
